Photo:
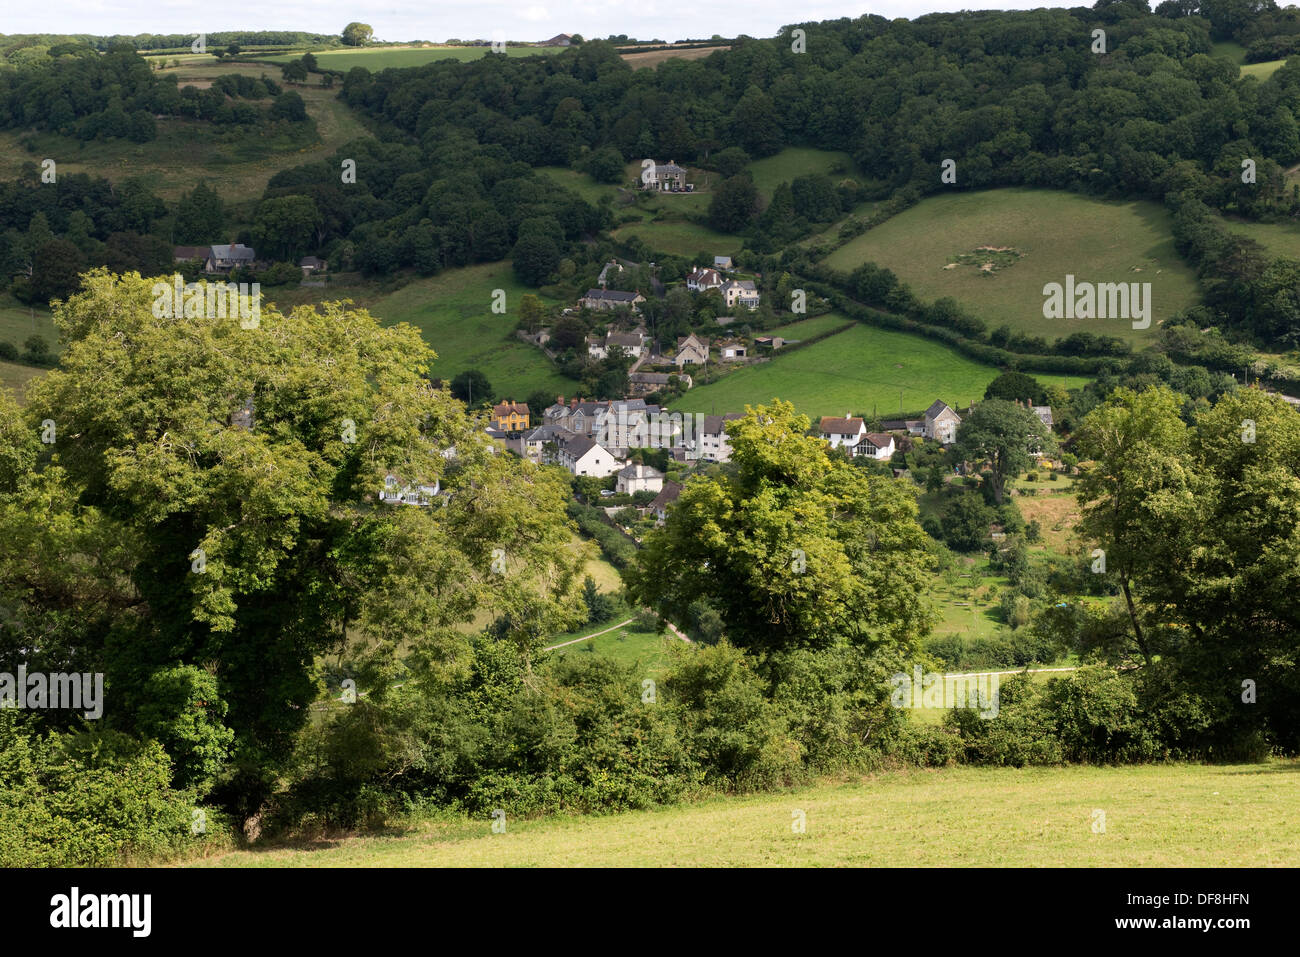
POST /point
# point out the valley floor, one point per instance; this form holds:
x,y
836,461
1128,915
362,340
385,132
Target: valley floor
x,y
1147,816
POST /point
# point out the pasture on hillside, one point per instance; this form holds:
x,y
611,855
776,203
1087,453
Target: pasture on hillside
x,y
1159,815
794,161
1056,233
234,161
860,370
453,311
1278,239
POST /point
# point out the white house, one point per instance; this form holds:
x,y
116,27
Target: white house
x,y
875,445
581,456
698,280
639,478
846,432
633,343
713,444
397,492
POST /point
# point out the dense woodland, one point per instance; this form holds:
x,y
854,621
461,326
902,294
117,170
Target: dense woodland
x,y
227,575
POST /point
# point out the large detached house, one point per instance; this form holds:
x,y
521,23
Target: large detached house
x,y
691,350
510,417
698,280
607,299
217,259
741,291
667,177
941,422
844,432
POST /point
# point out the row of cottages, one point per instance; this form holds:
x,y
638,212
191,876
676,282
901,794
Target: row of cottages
x,y
635,343
607,300
217,259
850,433
510,417
665,177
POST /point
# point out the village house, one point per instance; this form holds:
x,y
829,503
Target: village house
x,y
713,445
941,422
639,478
510,417
532,444
666,177
609,299
559,40
397,492
874,445
731,350
741,291
580,455
669,494
722,262
633,343
641,384
1044,413
844,432
311,264
226,258
691,350
699,280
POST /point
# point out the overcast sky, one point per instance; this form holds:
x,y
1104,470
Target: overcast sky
x,y
401,20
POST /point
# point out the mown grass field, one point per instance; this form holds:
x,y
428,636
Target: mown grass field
x,y
682,238
860,370
16,376
1155,816
383,58
453,311
807,328
1058,233
772,171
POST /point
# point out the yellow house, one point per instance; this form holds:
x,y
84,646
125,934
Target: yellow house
x,y
510,416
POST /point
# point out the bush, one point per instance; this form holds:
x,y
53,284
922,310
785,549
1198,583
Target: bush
x,y
1021,733
8,351
1097,719
90,799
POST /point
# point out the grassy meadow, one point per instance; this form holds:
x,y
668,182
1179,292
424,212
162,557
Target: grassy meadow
x,y
1278,239
1175,815
234,161
453,312
772,171
1057,233
860,370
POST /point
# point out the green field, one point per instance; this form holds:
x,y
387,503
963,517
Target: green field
x,y
682,238
861,370
1279,239
1057,233
795,161
237,163
1261,71
16,376
1173,815
453,312
18,322
807,328
648,652
382,58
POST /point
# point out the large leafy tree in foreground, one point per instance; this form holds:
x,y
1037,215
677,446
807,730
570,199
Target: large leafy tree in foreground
x,y
795,548
205,523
